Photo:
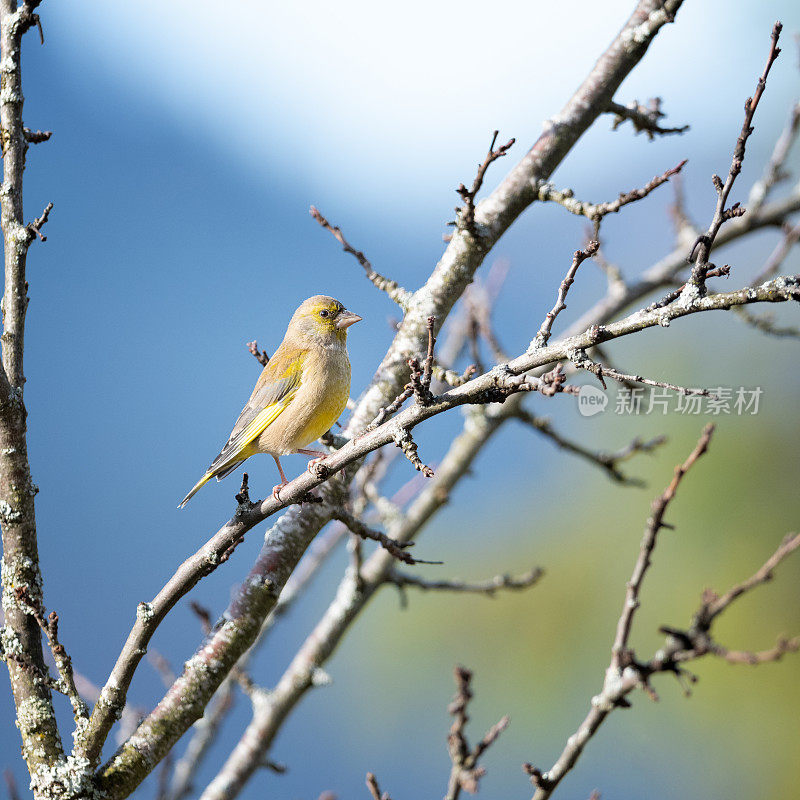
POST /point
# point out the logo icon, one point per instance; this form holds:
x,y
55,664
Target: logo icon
x,y
591,400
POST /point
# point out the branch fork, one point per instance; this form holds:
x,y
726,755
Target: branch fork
x,y
466,213
701,249
396,549
466,772
644,118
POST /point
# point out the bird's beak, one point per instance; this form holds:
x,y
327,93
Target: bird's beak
x,y
346,319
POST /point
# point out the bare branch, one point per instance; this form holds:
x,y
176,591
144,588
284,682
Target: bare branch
x,y
665,271
754,658
490,588
316,555
161,665
465,772
374,789
713,606
625,673
344,608
475,309
648,19
36,226
582,361
702,247
204,732
607,461
395,292
766,324
260,355
480,311
644,118
620,652
418,385
578,258
685,228
596,211
790,238
466,213
452,378
11,785
402,438
49,626
774,172
36,137
498,384
395,548
421,375
162,788
41,742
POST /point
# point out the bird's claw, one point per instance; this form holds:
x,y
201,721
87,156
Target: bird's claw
x,y
276,490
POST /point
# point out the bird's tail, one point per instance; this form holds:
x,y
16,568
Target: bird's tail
x,y
196,488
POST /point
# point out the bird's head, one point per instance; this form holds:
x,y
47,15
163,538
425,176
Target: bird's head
x,y
322,320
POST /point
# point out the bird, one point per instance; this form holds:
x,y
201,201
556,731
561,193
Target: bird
x,y
300,394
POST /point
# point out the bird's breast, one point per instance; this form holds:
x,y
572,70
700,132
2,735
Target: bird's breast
x,y
319,402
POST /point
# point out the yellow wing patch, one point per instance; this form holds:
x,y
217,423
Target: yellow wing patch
x,y
273,393
262,421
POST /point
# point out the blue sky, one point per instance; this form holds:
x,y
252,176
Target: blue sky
x,y
189,141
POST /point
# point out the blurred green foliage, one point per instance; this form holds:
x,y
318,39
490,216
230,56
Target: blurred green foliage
x,y
540,655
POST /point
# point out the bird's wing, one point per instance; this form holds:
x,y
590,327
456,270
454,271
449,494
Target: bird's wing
x,y
273,393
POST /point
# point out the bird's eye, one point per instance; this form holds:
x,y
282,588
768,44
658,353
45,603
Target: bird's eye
x,y
323,313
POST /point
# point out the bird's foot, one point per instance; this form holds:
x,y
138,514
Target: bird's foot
x,y
276,490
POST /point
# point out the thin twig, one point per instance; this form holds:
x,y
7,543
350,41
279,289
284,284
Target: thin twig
x,y
394,548
541,338
49,626
774,172
619,650
489,588
713,606
11,785
756,657
766,324
791,236
465,772
607,461
644,118
404,440
395,292
421,375
625,673
466,213
374,789
162,666
685,228
702,247
36,137
582,361
36,226
452,378
260,355
204,732
596,211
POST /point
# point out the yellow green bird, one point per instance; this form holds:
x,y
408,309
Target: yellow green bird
x,y
300,394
